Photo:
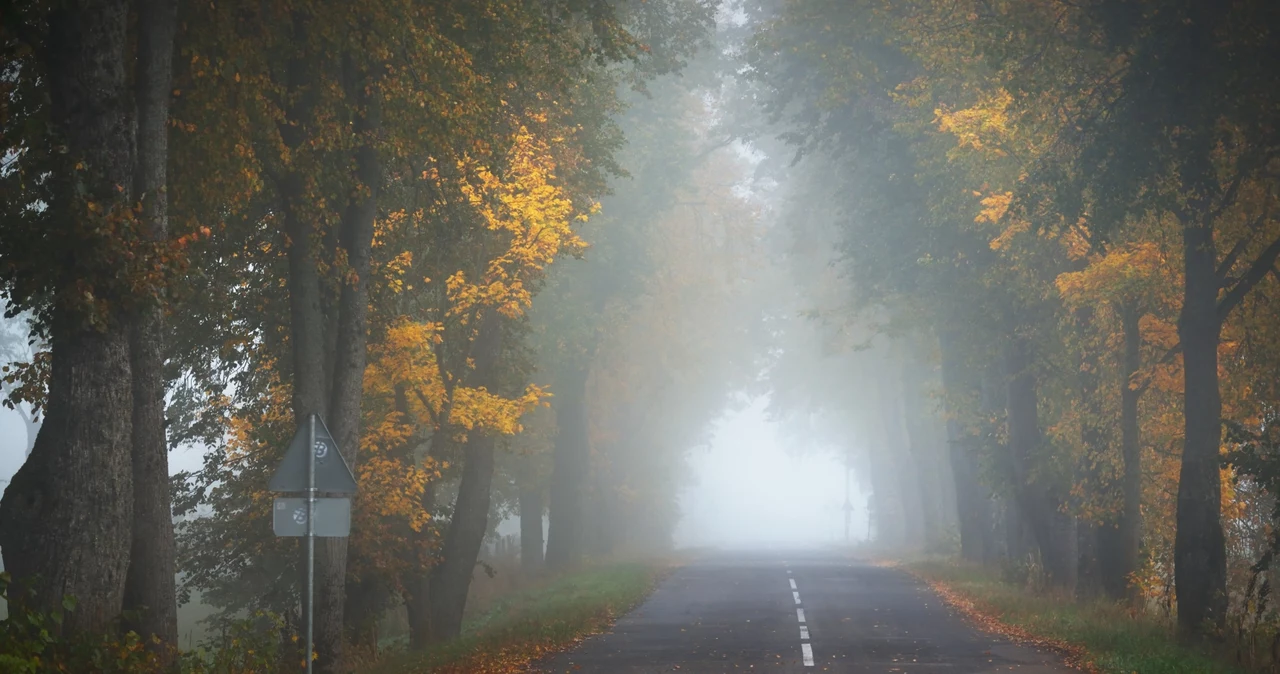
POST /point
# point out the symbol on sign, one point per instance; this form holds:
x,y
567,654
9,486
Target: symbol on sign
x,y
316,449
330,518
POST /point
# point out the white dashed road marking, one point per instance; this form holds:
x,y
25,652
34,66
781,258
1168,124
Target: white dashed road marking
x,y
805,648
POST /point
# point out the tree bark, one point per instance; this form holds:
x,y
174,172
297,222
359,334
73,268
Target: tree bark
x,y
571,466
906,472
1054,530
1093,439
1118,540
451,578
355,239
306,312
149,587
916,418
1130,449
1200,565
418,584
531,540
66,518
973,508
1088,569
887,510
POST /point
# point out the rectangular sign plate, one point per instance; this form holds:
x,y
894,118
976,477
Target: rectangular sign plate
x,y
333,517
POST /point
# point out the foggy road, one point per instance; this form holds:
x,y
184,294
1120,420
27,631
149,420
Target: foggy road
x,y
796,612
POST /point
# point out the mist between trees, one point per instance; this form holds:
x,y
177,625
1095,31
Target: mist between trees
x,y
1015,260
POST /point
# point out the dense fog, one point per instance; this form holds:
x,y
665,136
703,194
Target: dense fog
x,y
552,287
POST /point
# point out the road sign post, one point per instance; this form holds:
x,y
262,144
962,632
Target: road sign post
x,y
311,537
312,464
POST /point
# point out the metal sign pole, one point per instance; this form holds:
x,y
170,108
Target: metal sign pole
x,y
311,534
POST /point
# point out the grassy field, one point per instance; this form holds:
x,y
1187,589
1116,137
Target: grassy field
x,y
1104,636
534,622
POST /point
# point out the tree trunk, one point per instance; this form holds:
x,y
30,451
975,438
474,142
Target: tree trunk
x,y
1200,569
1093,440
66,518
1118,540
349,354
531,541
571,467
906,472
1130,448
365,604
1054,530
418,583
973,508
1089,572
890,531
1017,540
917,418
149,586
451,578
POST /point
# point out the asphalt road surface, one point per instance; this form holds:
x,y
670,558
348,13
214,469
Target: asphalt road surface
x,y
796,612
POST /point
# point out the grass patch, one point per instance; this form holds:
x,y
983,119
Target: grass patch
x,y
529,624
1107,637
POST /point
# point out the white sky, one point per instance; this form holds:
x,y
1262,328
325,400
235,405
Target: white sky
x,y
751,489
13,444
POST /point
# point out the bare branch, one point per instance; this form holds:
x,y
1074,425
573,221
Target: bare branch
x,y
1257,271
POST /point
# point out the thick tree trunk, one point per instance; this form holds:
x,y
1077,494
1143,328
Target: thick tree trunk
x,y
531,540
418,583
149,587
1130,449
905,469
1118,539
571,467
886,503
66,518
1093,439
1017,539
973,508
1054,530
365,604
307,323
349,354
1200,568
917,418
1089,571
451,578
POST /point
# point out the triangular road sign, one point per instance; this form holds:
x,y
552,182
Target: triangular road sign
x,y
332,473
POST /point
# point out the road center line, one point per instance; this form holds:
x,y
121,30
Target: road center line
x,y
804,631
800,614
808,654
797,596
793,583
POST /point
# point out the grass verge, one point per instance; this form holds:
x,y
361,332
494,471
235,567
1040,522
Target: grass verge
x,y
1097,636
530,624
